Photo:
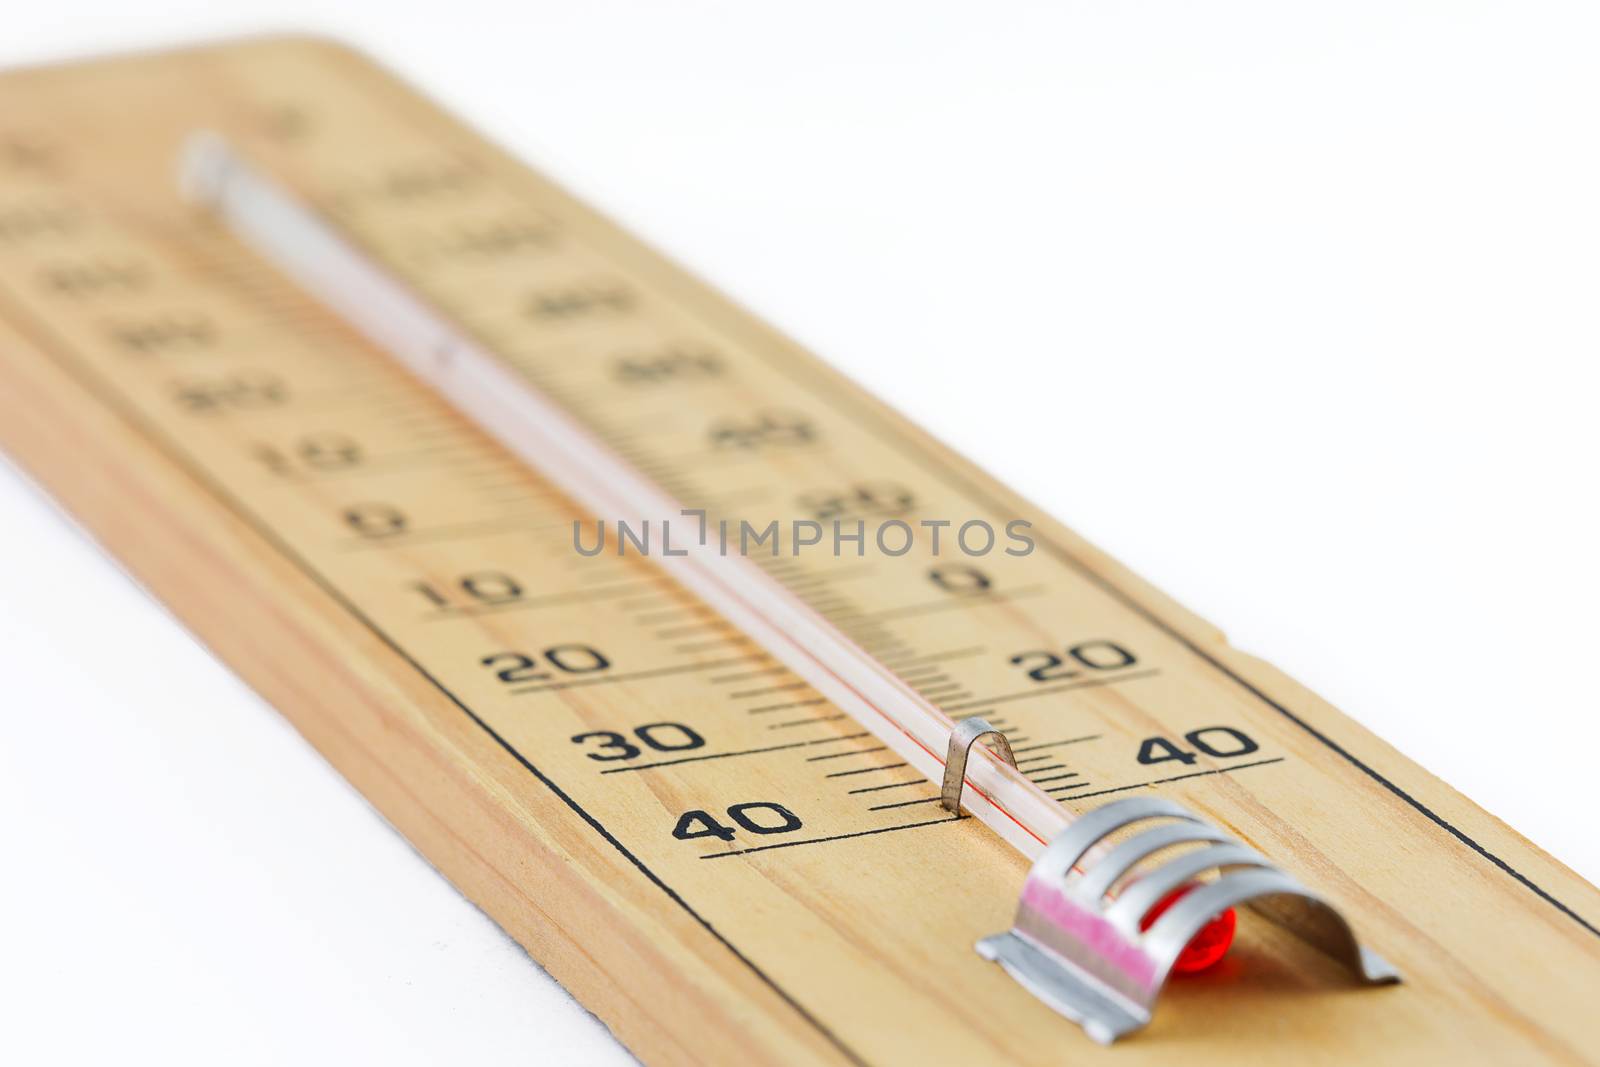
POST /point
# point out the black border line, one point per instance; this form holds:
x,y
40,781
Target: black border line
x,y
47,340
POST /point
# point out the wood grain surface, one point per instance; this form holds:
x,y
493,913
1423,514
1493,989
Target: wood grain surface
x,y
538,722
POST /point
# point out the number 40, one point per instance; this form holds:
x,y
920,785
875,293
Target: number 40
x,y
1161,750
693,824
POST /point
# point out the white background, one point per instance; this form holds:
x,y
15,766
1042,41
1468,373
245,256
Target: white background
x,y
1292,307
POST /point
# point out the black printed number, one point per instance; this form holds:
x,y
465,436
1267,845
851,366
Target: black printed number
x,y
757,817
764,429
315,453
242,392
483,587
375,520
1046,666
693,824
1219,742
862,500
610,746
581,300
962,580
513,668
679,363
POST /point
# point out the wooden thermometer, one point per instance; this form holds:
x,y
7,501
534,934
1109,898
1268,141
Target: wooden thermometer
x,y
834,750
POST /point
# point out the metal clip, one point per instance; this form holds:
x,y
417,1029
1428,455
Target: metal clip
x,y
1083,953
966,733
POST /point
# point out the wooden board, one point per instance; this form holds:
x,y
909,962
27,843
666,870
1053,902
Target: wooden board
x,y
356,553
